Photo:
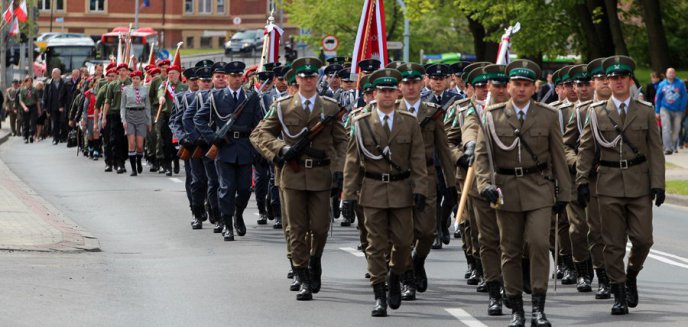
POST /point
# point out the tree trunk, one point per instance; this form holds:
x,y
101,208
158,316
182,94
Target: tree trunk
x,y
484,51
615,27
659,48
604,34
588,30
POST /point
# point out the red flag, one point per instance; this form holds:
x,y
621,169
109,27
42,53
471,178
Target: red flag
x,y
273,32
7,15
14,29
21,12
177,61
371,39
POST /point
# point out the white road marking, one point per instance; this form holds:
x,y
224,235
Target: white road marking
x,y
176,180
465,317
353,251
669,255
663,259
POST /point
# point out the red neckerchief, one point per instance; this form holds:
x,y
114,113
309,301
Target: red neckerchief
x,y
138,95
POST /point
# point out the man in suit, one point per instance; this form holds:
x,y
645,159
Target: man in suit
x,y
70,91
54,101
547,93
387,150
529,165
630,176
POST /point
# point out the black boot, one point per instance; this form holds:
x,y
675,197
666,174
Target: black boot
x,y
470,261
408,286
620,307
525,267
539,318
168,168
421,283
239,222
632,288
380,308
120,168
295,282
262,215
213,215
139,166
222,223
474,278
494,307
482,287
132,162
394,293
315,271
584,284
305,293
278,223
437,243
518,318
108,168
176,165
163,167
603,284
570,275
154,166
228,233
198,213
560,265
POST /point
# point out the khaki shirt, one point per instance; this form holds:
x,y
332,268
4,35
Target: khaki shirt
x,y
26,99
113,97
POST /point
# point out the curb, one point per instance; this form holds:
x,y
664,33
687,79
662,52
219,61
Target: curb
x,y
677,199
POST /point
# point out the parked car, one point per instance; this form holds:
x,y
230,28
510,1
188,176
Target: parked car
x,y
247,42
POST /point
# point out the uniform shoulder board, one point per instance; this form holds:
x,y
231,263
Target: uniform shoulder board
x,y
584,103
463,103
405,112
561,106
546,106
643,102
361,114
555,103
398,101
598,103
286,97
432,105
496,106
330,99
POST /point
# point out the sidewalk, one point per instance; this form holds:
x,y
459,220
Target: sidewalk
x,y
29,223
677,169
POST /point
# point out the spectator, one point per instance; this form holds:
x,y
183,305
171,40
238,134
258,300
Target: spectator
x,y
547,93
54,103
650,90
42,113
670,105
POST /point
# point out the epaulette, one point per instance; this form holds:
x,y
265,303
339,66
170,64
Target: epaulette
x,y
405,112
361,114
560,107
286,97
432,105
462,103
555,103
598,103
546,106
643,102
584,103
496,106
398,101
330,99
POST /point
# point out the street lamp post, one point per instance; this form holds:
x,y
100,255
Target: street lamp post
x,y
407,34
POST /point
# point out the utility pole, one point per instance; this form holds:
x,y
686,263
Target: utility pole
x,y
3,50
406,30
29,43
136,15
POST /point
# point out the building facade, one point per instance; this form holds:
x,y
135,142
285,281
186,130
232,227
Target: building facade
x,y
199,23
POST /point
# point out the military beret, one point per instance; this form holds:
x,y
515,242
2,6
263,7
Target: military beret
x,y
496,74
386,78
234,67
111,65
136,73
190,74
369,65
123,65
113,70
307,66
618,66
579,74
163,62
174,67
457,68
204,63
523,69
204,73
595,68
411,72
467,70
333,69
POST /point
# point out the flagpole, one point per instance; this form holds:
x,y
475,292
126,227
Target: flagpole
x,y
365,40
136,15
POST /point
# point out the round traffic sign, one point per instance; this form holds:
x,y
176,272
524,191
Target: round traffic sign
x,y
236,20
330,43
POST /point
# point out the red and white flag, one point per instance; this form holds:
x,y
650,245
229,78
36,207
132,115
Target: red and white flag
x,y
14,28
371,39
7,15
273,32
21,12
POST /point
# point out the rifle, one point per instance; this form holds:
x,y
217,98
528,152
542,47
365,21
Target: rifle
x,y
222,132
198,153
184,153
437,114
310,135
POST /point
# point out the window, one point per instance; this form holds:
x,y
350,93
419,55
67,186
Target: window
x,y
96,5
188,6
206,42
205,6
221,42
190,41
45,5
220,7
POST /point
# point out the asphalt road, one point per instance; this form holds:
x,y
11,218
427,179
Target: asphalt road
x,y
155,271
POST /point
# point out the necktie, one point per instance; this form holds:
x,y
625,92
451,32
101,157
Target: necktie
x,y
236,96
385,126
438,100
28,93
307,106
412,109
521,117
622,113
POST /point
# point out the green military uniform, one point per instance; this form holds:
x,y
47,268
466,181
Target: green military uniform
x,y
13,110
165,151
630,175
30,98
152,138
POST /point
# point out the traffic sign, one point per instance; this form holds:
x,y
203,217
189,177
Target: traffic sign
x,y
163,54
330,43
394,45
236,20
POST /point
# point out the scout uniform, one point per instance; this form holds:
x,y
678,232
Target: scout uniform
x,y
386,162
135,111
13,109
528,159
152,139
630,175
165,152
116,148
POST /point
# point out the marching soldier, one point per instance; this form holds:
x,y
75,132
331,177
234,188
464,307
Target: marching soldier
x,y
261,167
457,72
309,174
235,152
165,148
386,149
12,107
525,166
630,176
430,118
152,139
111,121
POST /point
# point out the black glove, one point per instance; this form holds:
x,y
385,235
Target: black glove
x,y
349,209
466,160
419,201
218,141
288,153
200,142
452,195
337,183
185,142
559,207
658,195
583,195
278,160
490,194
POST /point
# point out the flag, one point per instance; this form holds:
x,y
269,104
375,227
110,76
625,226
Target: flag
x,y
177,61
21,12
371,39
145,4
120,58
7,15
273,33
14,29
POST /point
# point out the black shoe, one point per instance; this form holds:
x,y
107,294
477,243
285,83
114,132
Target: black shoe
x,y
366,275
108,168
239,225
176,166
470,261
632,288
278,223
55,142
133,173
154,167
494,307
262,219
315,271
525,266
446,237
421,282
620,306
457,234
31,139
168,172
474,279
583,283
345,223
213,215
539,318
121,170
290,273
603,291
394,293
380,308
570,275
482,287
518,318
26,141
305,292
228,234
408,286
437,244
295,283
560,266
196,224
219,227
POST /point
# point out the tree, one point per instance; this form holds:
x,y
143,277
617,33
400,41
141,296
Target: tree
x,y
658,46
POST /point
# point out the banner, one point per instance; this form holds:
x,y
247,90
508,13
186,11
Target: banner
x,y
371,39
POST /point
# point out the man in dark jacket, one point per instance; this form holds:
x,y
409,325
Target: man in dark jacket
x,y
54,102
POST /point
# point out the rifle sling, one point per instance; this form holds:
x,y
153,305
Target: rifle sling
x,y
620,131
377,146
